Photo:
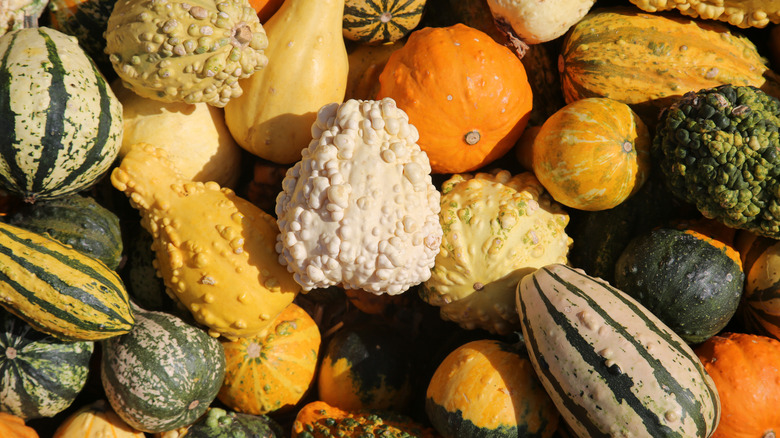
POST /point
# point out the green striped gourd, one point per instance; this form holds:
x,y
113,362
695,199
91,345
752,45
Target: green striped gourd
x,y
163,374
611,367
86,20
41,375
60,123
380,21
59,290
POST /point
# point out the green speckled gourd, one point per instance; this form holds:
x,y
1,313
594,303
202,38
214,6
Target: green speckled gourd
x,y
78,221
185,51
219,423
497,228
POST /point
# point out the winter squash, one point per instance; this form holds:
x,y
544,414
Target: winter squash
x,y
744,369
96,420
86,20
12,426
319,419
272,372
467,95
592,154
488,388
220,423
380,21
366,63
759,308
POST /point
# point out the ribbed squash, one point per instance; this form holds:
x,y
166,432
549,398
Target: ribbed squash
x,y
318,419
592,154
649,60
272,372
86,20
40,375
760,307
12,426
380,21
488,388
59,290
739,13
96,420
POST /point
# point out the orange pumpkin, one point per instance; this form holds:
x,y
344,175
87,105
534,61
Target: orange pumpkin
x,y
12,426
272,372
467,95
744,369
592,154
265,8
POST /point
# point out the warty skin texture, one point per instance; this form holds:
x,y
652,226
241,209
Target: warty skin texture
x,y
740,13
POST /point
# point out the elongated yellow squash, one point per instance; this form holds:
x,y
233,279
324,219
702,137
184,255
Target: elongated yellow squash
x,y
307,69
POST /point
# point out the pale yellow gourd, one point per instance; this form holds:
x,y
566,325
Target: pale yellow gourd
x,y
194,136
307,69
214,250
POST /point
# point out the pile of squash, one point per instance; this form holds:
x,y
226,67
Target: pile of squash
x,y
377,218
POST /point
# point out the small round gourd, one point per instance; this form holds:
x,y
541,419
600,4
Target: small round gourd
x,y
273,371
690,281
592,154
380,21
95,420
488,388
221,423
12,426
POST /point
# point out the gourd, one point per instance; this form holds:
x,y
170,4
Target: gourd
x,y
467,95
610,366
20,13
265,8
536,22
759,309
273,119
41,375
59,290
365,367
603,53
12,426
488,388
739,13
592,154
744,369
163,374
220,423
214,249
63,124
318,419
95,420
77,221
366,62
86,20
185,51
274,371
498,227
200,147
380,21
690,281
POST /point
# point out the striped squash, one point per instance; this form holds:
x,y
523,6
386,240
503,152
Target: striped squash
x,y
40,376
163,374
60,123
648,60
760,305
610,366
59,290
380,21
86,20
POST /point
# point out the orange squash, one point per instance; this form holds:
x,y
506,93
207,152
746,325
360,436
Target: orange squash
x,y
12,426
265,8
592,154
96,420
272,372
467,95
319,419
744,369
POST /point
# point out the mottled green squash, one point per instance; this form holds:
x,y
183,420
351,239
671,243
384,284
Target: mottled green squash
x,y
380,21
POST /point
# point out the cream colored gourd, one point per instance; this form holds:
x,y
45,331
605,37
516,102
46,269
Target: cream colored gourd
x,y
214,250
307,69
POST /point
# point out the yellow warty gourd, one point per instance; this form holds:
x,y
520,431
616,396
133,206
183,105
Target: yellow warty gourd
x,y
307,69
214,249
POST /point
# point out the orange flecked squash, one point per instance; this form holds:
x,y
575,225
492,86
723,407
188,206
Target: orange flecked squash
x,y
467,95
744,369
272,373
12,426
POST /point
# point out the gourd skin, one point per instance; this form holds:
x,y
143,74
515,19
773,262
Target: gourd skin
x,y
185,51
536,22
273,119
12,426
380,21
215,250
497,229
14,13
360,208
96,420
740,13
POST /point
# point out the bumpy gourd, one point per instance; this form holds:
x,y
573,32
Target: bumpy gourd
x,y
214,249
360,209
191,51
497,229
16,14
740,13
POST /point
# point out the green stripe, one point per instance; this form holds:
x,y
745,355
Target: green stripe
x,y
8,138
51,142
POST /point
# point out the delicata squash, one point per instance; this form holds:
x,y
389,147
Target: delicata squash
x,y
214,249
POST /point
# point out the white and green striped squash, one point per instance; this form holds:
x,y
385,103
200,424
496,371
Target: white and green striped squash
x,y
58,289
380,21
611,367
60,123
163,374
40,376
